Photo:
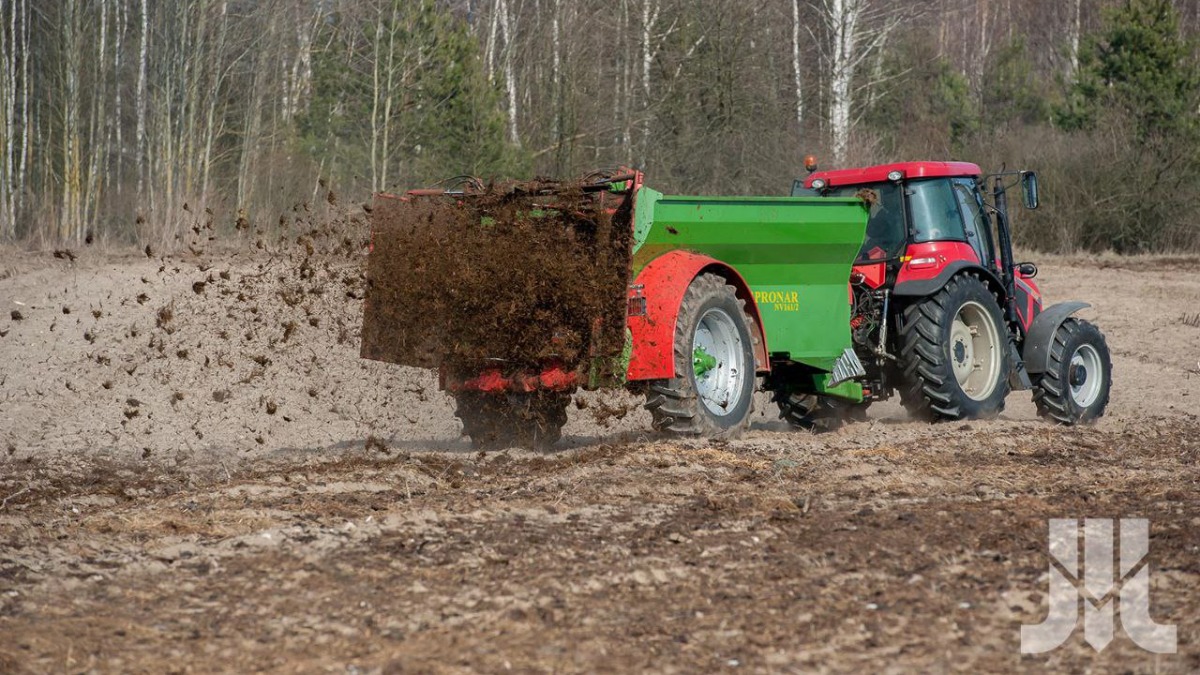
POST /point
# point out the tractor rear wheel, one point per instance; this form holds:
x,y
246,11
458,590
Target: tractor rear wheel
x,y
818,413
954,353
496,421
1074,388
713,387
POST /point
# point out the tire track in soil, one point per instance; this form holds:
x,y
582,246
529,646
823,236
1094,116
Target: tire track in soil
x,y
660,555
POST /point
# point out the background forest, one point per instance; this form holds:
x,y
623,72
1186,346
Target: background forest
x,y
118,118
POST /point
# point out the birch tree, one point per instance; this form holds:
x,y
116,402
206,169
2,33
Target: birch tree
x,y
14,119
27,122
1073,35
143,54
650,10
556,67
855,30
97,146
510,76
70,136
796,76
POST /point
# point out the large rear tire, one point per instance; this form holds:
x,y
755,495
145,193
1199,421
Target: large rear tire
x,y
496,421
954,353
713,387
1075,387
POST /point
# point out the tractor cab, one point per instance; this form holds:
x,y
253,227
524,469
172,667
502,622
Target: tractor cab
x,y
913,203
929,221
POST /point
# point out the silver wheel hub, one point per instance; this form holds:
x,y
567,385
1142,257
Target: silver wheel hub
x,y
975,355
1085,376
720,384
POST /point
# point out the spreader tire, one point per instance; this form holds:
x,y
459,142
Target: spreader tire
x,y
495,421
818,413
713,387
1074,389
954,353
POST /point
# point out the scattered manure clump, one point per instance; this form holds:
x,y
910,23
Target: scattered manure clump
x,y
515,276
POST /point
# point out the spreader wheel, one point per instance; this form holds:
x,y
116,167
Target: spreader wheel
x,y
713,386
818,413
495,421
1074,389
954,354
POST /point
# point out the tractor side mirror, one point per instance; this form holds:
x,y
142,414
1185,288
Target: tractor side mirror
x,y
1029,189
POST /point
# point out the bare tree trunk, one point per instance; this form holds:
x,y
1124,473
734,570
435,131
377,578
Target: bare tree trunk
x,y
376,122
624,113
976,63
510,76
389,89
141,103
300,76
1073,40
217,78
843,16
942,20
162,160
649,19
111,122
26,120
8,104
796,78
490,50
556,71
116,123
97,150
193,74
69,213
250,138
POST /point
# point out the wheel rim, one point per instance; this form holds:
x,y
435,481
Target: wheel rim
x,y
718,362
975,351
1085,375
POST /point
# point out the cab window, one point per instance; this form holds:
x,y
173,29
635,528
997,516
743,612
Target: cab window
x,y
979,232
884,239
934,212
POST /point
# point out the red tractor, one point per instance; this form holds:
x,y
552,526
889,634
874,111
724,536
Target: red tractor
x,y
941,312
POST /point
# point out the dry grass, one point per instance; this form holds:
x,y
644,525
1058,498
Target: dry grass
x,y
1112,260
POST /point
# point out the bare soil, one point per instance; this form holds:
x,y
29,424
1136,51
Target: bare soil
x,y
193,481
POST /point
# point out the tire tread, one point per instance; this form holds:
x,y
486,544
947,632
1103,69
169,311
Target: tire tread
x,y
927,392
673,404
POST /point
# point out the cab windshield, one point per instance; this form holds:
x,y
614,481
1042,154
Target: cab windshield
x,y
885,225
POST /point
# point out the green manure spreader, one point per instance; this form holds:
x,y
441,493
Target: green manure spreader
x,y
863,284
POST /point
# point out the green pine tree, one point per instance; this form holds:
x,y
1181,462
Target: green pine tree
x,y
443,116
1139,65
1012,94
924,108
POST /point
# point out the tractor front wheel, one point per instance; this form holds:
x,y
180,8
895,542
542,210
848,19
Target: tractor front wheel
x,y
713,386
496,421
954,353
1074,388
